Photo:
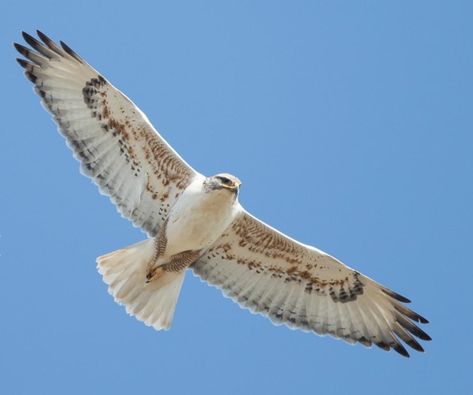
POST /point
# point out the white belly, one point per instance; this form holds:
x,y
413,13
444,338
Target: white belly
x,y
198,219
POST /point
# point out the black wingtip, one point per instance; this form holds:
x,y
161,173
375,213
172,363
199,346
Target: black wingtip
x,y
31,76
70,51
50,43
43,37
30,39
384,346
396,346
412,328
23,63
396,296
423,320
399,348
411,314
419,318
414,344
21,49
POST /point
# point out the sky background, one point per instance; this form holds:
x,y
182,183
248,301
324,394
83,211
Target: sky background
x,y
372,101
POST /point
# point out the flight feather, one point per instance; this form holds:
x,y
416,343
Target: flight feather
x,y
303,287
114,141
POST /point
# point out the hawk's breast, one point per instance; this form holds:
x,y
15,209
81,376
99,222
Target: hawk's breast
x,y
199,218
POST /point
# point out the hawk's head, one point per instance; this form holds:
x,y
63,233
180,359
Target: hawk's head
x,y
224,181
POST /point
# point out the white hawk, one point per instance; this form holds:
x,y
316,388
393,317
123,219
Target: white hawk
x,y
196,222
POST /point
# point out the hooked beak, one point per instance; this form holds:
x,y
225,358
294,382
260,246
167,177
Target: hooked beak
x,y
233,187
224,181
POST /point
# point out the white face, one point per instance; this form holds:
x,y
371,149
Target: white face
x,y
224,181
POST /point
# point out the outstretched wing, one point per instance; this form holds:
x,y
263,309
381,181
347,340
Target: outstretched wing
x,y
302,287
114,141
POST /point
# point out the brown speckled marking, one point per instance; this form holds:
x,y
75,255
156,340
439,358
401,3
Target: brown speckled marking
x,y
170,174
181,261
101,111
258,240
299,266
176,263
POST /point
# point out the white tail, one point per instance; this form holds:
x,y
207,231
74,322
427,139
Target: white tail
x,y
125,273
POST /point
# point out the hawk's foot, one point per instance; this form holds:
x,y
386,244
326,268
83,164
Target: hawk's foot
x,y
153,274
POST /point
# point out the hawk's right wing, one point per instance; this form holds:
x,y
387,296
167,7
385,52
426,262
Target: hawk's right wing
x,y
114,141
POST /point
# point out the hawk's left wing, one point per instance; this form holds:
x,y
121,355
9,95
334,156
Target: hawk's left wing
x,y
302,287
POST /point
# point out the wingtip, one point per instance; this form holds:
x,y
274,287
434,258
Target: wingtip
x,y
396,296
31,77
21,49
70,51
423,320
27,37
43,36
412,328
396,346
22,62
415,345
400,349
418,318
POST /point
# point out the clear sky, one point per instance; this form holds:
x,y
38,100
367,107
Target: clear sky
x,y
372,103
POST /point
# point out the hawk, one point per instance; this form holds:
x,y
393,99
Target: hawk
x,y
195,222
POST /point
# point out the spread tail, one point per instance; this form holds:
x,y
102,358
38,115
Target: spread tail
x,y
125,273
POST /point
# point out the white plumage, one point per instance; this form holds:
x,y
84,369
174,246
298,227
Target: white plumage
x,y
124,271
196,221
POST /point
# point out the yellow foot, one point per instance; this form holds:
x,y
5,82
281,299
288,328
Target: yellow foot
x,y
153,273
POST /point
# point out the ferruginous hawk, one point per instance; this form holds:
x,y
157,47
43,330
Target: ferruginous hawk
x,y
196,222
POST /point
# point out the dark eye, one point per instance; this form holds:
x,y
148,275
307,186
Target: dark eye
x,y
225,181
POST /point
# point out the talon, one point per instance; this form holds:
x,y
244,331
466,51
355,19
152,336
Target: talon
x,y
149,276
153,274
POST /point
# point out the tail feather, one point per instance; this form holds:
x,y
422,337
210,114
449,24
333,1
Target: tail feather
x,y
125,273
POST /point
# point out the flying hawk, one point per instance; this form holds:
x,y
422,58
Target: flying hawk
x,y
196,222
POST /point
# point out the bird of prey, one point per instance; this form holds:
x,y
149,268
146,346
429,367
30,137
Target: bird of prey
x,y
195,222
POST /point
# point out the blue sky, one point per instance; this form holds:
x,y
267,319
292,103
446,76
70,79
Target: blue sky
x,y
371,101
